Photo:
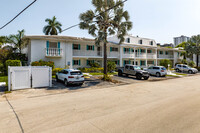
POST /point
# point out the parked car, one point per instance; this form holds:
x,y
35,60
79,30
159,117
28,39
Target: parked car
x,y
158,71
134,71
185,68
70,76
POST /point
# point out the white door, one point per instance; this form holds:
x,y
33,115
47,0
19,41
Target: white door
x,y
21,78
40,77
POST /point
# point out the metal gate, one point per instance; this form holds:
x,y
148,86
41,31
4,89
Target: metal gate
x,y
28,77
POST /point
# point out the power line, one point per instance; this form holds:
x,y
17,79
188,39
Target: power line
x,y
96,15
17,15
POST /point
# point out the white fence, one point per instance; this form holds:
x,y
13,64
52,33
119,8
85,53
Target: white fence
x,y
29,77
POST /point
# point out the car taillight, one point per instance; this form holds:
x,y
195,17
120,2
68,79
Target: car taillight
x,y
71,77
82,76
162,71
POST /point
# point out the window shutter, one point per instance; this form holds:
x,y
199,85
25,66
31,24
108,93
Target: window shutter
x,y
118,62
129,62
87,62
79,47
129,50
110,49
153,62
73,62
124,50
132,50
72,46
47,45
87,47
79,62
124,62
59,48
93,47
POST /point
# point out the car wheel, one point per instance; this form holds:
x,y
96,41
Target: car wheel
x,y
157,74
146,78
139,76
57,80
66,82
190,71
119,73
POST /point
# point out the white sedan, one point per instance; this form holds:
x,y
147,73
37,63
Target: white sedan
x,y
70,76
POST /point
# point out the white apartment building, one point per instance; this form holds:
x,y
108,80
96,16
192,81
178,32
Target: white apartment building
x,y
179,40
77,52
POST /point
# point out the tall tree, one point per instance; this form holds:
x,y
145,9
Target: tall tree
x,y
107,19
2,40
53,27
18,40
193,47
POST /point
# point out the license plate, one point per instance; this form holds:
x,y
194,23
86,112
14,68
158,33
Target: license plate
x,y
77,77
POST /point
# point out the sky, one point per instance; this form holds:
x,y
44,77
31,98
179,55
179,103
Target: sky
x,y
156,19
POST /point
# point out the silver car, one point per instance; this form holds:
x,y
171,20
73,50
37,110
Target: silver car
x,y
158,71
185,68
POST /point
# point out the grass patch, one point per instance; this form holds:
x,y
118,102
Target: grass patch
x,y
93,74
172,75
4,79
183,74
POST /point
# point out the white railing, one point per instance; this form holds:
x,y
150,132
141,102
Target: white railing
x,y
166,56
54,52
143,55
113,54
88,53
151,56
128,55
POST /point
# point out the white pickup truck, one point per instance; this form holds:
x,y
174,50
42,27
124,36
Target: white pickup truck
x,y
134,71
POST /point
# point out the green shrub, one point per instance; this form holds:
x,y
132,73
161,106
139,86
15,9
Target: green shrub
x,y
198,68
43,63
2,69
12,63
92,69
184,61
95,64
106,78
111,66
55,70
191,64
165,63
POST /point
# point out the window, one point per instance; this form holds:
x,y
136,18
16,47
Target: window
x,y
151,42
149,51
166,52
150,62
76,46
128,40
142,63
163,68
126,62
90,62
126,50
156,68
90,47
143,50
75,62
127,67
117,62
161,52
53,45
76,73
150,68
140,41
131,67
113,49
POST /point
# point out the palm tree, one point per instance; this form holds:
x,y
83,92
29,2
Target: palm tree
x,y
18,40
102,22
53,27
193,47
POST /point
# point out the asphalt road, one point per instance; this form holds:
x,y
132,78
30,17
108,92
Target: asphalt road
x,y
168,106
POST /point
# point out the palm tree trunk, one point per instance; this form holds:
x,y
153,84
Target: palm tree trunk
x,y
197,63
105,58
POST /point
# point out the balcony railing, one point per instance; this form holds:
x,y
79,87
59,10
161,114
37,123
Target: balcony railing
x,y
165,56
54,52
88,53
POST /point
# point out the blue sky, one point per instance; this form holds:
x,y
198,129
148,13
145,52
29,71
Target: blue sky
x,y
157,19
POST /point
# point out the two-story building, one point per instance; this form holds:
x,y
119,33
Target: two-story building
x,y
79,52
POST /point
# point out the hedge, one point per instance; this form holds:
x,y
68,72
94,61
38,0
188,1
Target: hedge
x,y
12,63
43,63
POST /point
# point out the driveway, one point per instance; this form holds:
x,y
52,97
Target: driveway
x,y
168,106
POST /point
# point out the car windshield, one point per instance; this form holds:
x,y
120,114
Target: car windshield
x,y
137,68
76,73
163,68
